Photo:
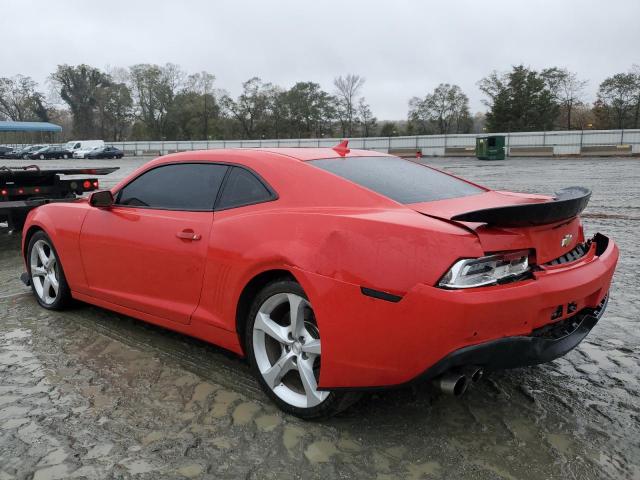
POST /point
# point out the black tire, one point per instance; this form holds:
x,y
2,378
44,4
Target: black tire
x,y
63,298
335,402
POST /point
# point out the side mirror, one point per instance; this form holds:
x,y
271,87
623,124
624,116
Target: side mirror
x,y
102,199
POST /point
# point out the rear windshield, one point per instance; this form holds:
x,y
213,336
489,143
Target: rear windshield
x,y
401,180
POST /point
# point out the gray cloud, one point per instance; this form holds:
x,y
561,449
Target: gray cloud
x,y
403,48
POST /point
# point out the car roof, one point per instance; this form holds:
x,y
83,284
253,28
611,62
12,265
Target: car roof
x,y
303,154
308,153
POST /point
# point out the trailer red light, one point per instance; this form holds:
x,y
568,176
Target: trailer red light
x,y
4,192
20,191
86,184
37,190
95,183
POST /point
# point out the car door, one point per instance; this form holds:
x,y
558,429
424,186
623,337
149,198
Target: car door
x,y
147,251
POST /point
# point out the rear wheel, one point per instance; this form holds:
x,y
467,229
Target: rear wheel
x,y
48,282
284,349
41,157
65,156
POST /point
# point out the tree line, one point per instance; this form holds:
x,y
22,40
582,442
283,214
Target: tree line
x,y
163,102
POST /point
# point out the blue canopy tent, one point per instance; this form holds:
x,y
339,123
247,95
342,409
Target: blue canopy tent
x,y
28,132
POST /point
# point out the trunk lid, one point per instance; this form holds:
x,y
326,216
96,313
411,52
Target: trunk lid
x,y
549,240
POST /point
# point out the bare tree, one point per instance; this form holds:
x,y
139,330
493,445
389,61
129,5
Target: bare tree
x,y
347,90
19,99
445,110
252,106
366,118
567,88
154,89
202,84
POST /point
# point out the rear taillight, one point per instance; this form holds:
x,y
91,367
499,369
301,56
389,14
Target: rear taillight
x,y
86,185
95,184
484,271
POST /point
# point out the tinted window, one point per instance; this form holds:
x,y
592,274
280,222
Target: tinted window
x,y
243,188
188,186
401,180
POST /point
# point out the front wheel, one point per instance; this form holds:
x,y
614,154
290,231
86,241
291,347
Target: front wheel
x,y
284,349
48,283
41,157
65,156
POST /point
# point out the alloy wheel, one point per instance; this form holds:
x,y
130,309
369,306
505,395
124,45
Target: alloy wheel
x,y
286,345
44,272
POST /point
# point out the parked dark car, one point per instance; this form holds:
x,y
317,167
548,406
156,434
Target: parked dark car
x,y
51,152
23,152
4,150
105,152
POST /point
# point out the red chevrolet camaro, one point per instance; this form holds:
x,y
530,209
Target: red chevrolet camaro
x,y
333,271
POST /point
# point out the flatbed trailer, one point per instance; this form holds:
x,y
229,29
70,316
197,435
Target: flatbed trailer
x,y
25,188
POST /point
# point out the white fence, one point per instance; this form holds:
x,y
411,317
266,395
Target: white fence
x,y
561,143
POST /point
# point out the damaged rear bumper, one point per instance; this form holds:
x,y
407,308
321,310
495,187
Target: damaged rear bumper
x,y
542,345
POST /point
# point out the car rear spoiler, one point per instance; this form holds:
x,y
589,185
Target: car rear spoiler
x,y
567,203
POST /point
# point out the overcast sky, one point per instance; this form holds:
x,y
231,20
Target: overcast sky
x,y
403,48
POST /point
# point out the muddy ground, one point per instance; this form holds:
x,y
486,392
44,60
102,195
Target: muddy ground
x,y
92,394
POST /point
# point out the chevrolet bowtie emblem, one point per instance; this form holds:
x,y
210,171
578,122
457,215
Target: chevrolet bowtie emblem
x,y
566,240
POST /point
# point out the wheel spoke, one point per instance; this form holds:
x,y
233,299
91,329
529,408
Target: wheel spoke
x,y
38,272
312,347
264,323
274,375
296,305
309,383
46,286
43,256
54,282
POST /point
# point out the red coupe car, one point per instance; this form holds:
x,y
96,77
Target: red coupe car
x,y
333,271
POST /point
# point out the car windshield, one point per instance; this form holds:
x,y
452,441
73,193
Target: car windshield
x,y
401,180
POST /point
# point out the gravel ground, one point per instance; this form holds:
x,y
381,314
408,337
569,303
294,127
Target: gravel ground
x,y
92,394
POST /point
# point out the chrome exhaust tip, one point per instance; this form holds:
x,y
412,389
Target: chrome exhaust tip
x,y
474,373
452,383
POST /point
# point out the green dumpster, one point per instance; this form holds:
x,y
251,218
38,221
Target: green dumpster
x,y
490,148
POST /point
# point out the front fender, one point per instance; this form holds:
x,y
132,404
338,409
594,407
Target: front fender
x,y
62,223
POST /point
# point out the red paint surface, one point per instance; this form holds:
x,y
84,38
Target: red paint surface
x,y
334,237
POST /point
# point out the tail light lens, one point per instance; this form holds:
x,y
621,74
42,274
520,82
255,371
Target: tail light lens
x,y
484,271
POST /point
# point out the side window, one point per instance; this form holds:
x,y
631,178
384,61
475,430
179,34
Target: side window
x,y
243,188
184,186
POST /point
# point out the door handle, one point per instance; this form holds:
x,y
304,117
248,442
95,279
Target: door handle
x,y
188,234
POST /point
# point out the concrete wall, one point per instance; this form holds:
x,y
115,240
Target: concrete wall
x,y
562,143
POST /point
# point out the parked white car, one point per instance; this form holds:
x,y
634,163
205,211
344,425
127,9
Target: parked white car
x,y
82,153
87,145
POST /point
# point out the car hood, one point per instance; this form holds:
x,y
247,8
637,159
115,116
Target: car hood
x,y
549,240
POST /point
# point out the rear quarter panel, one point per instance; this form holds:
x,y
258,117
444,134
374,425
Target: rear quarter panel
x,y
387,250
